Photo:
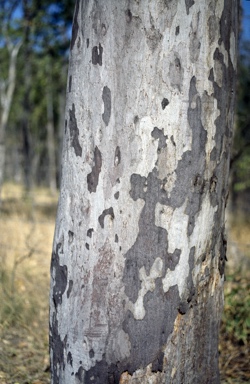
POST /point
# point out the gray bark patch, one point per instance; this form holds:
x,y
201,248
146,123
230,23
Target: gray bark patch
x,y
75,27
150,334
97,55
116,195
74,132
106,212
152,241
159,134
128,15
189,4
106,97
93,177
58,346
153,38
60,279
176,73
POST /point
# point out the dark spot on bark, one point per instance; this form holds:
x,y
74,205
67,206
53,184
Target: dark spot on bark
x,y
70,359
91,353
75,27
128,15
136,119
93,177
87,41
106,212
116,238
116,195
69,288
71,236
57,345
164,103
89,232
97,55
60,277
172,141
159,134
87,246
106,97
223,252
104,29
183,307
74,132
80,375
117,158
66,123
70,83
176,73
177,30
189,4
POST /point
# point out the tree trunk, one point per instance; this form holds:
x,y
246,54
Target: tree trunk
x,y
50,132
7,88
139,247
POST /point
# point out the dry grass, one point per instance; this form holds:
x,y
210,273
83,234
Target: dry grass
x,y
27,227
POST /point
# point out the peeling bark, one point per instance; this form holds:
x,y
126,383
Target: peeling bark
x,y
139,247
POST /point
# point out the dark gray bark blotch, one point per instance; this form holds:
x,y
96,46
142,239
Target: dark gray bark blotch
x,y
93,177
159,134
177,30
116,195
70,359
150,334
189,4
164,103
70,83
128,15
74,132
106,97
75,27
97,55
89,232
117,158
106,212
87,42
58,346
69,288
60,278
176,73
71,236
87,246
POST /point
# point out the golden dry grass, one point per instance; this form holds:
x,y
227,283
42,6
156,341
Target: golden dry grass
x,y
26,228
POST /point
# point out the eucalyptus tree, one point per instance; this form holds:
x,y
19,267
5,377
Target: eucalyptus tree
x,y
139,249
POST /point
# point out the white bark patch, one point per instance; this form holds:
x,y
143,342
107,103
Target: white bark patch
x,y
233,55
143,147
147,284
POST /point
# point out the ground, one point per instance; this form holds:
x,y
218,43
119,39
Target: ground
x,y
27,226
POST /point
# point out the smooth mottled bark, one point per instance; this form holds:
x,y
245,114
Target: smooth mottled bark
x,y
139,248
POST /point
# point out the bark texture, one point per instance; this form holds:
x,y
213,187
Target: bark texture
x,y
139,248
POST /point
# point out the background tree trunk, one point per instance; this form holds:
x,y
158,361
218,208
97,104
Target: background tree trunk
x,y
139,247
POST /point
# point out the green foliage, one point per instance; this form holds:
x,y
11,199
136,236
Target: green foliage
x,y
236,317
